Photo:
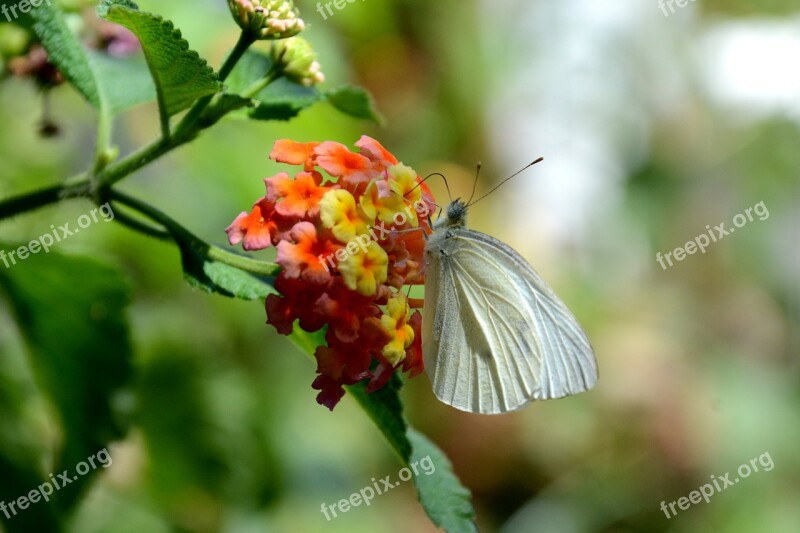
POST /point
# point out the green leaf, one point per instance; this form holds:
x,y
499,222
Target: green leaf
x,y
283,100
20,449
280,100
65,52
71,312
181,76
222,105
445,500
215,277
15,16
385,409
240,284
354,101
125,83
441,494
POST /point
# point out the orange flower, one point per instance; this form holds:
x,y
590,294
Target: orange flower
x,y
294,153
298,197
306,257
373,150
340,162
255,228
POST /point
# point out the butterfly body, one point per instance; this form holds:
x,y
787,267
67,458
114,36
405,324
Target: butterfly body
x,y
495,336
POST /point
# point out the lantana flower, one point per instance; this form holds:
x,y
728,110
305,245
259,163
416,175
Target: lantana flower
x,y
346,247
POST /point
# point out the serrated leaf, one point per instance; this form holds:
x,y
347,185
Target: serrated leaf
x,y
71,312
445,500
110,84
125,83
181,76
65,52
354,101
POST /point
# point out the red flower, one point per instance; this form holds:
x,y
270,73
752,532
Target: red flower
x,y
296,303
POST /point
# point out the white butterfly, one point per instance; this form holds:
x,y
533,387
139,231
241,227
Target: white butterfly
x,y
494,335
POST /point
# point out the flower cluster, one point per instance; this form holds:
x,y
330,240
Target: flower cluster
x,y
267,19
346,247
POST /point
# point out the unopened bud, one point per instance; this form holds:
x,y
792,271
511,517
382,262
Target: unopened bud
x,y
298,61
267,19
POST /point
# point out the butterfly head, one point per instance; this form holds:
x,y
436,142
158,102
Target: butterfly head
x,y
456,215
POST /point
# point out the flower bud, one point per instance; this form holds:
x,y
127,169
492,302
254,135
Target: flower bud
x,y
14,41
297,61
267,19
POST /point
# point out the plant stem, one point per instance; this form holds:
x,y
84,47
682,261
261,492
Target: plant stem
x,y
141,227
241,262
257,86
133,162
185,237
103,143
50,195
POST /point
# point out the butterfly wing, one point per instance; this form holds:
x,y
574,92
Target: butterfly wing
x,y
495,336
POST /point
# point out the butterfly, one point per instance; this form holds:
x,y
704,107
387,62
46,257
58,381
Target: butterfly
x,y
494,335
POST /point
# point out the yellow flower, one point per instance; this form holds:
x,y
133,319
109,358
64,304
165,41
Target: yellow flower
x,y
395,322
340,214
374,204
403,184
363,271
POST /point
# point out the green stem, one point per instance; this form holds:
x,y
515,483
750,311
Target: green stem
x,y
257,86
141,227
103,143
182,235
49,195
133,162
241,262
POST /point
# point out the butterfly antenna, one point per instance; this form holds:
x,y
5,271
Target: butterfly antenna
x,y
475,183
426,179
520,171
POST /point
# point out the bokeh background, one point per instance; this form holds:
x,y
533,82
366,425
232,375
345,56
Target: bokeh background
x,y
651,126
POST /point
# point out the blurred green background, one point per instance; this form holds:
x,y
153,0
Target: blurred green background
x,y
651,126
